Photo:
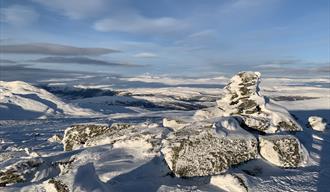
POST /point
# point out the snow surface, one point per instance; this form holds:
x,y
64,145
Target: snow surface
x,y
130,165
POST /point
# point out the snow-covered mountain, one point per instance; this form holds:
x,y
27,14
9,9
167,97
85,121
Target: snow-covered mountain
x,y
20,100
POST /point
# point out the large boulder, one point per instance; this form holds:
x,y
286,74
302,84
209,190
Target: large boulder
x,y
242,97
283,150
208,148
88,135
77,135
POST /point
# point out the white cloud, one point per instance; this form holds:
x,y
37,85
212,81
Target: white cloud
x,y
145,55
77,9
18,15
139,24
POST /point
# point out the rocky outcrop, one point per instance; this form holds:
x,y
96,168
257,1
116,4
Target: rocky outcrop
x,y
283,150
317,123
242,97
214,140
205,148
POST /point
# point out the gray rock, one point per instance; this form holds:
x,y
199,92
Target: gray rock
x,y
205,148
283,150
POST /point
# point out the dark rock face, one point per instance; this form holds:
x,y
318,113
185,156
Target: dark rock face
x,y
202,149
242,98
282,150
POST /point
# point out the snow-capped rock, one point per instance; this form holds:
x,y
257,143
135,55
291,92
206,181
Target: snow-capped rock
x,y
18,172
242,97
229,182
149,135
174,123
283,150
88,135
208,148
55,139
55,185
317,123
20,100
77,135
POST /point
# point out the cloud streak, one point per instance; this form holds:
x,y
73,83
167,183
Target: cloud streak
x,y
81,60
135,23
53,49
145,55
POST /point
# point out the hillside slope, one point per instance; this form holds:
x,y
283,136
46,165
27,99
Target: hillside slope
x,y
20,100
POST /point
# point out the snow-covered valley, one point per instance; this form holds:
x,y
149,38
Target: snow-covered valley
x,y
152,133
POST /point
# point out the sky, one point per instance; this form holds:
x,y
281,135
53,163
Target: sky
x,y
168,36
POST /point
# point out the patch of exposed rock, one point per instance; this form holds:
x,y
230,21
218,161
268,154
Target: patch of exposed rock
x,y
283,150
242,97
204,148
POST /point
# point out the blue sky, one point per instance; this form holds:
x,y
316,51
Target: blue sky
x,y
189,36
